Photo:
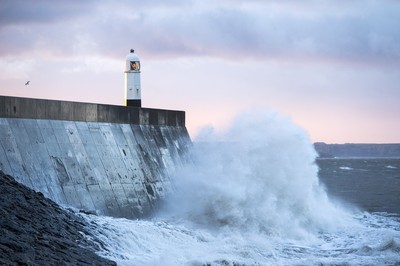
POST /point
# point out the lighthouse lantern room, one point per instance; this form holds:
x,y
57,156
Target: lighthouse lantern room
x,y
132,80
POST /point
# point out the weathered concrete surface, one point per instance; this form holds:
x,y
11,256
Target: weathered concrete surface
x,y
36,231
118,169
115,169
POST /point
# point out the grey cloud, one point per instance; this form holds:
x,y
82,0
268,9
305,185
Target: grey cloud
x,y
41,11
372,34
357,30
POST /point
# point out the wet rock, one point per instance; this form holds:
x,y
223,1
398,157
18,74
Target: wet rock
x,y
36,231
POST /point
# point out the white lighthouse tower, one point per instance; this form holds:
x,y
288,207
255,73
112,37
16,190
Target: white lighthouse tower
x,y
132,80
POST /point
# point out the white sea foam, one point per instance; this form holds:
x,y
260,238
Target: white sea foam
x,y
259,175
251,197
156,242
345,168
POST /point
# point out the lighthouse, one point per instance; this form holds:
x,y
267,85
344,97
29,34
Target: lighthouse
x,y
132,80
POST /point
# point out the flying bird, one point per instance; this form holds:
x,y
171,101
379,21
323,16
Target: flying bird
x,y
27,83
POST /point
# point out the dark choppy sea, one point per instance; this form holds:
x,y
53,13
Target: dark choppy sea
x,y
372,184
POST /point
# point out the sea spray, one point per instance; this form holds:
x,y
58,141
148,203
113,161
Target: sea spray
x,y
259,175
251,197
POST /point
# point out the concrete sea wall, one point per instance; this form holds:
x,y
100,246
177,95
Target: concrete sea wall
x,y
114,160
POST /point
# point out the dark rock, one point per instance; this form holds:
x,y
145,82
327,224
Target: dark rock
x,y
36,231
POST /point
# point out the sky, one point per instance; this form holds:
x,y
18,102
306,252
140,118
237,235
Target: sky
x,y
331,66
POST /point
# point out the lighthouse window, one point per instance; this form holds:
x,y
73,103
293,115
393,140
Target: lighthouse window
x,y
135,65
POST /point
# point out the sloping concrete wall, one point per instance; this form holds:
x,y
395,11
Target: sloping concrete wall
x,y
116,169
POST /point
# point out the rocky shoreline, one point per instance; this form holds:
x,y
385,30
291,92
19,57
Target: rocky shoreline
x,y
36,231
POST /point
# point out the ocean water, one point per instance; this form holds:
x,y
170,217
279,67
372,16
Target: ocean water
x,y
255,194
370,183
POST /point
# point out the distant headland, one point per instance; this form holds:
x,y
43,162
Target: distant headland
x,y
357,150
